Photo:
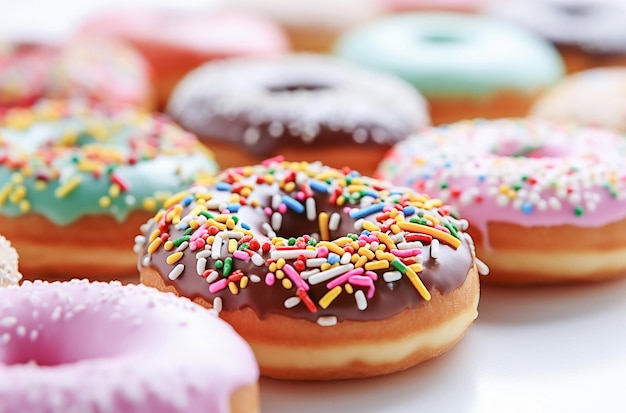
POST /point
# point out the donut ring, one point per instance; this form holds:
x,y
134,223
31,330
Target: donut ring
x,y
118,345
529,188
301,106
9,274
86,178
375,294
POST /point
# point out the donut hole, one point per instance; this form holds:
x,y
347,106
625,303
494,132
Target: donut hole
x,y
440,38
298,87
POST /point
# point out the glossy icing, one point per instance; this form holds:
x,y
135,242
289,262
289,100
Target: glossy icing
x,y
86,347
306,241
65,160
595,97
453,54
596,26
528,172
267,104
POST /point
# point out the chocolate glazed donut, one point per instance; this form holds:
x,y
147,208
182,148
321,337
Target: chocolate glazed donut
x,y
308,244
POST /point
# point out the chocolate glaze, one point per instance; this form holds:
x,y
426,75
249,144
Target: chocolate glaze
x,y
443,274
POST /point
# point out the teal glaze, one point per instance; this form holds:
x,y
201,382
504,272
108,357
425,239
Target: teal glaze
x,y
454,55
179,161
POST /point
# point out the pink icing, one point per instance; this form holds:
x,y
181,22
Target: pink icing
x,y
529,172
97,347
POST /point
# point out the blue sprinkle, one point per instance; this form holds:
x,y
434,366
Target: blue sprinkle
x,y
371,192
369,210
318,186
293,204
365,232
223,186
333,258
187,200
244,225
409,210
527,208
234,207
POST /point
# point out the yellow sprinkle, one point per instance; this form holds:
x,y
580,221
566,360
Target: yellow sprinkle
x,y
230,223
272,267
361,261
17,178
349,288
154,234
329,297
193,224
114,190
332,247
175,199
104,201
340,200
385,239
222,218
196,210
86,165
322,221
432,219
377,265
287,284
280,263
232,245
417,267
149,204
154,245
432,204
233,288
212,222
424,229
63,190
173,258
40,185
280,274
504,189
325,266
417,283
342,241
366,252
290,186
245,192
174,214
168,246
24,205
370,226
393,213
247,171
395,229
381,255
354,258
19,192
243,283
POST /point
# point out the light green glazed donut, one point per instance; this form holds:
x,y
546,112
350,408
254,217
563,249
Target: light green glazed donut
x,y
65,160
454,55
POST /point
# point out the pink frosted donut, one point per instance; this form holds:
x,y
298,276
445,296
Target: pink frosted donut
x,y
97,347
546,201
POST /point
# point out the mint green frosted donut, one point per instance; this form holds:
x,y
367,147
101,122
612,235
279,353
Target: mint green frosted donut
x,y
66,160
454,55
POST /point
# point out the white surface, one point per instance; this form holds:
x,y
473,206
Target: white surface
x,y
556,349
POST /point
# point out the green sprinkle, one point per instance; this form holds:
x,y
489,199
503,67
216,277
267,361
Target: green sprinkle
x,y
219,264
188,231
206,214
399,265
291,241
228,266
180,240
579,211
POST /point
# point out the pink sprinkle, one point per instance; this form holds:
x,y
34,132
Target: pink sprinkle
x,y
282,208
363,282
387,208
322,252
372,275
300,196
444,229
241,255
347,210
270,279
268,211
295,277
218,285
406,253
362,242
344,278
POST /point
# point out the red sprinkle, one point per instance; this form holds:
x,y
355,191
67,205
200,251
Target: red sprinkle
x,y
310,305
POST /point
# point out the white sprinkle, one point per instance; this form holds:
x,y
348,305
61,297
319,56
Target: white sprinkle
x,y
203,254
217,304
21,331
291,254
306,274
334,221
554,203
358,224
251,136
79,307
315,262
345,258
231,234
257,259
176,272
409,245
359,135
311,210
276,201
361,301
201,266
33,335
145,261
502,200
213,276
8,321
434,249
183,246
216,248
268,230
276,129
277,221
130,200
56,314
254,278
391,276
328,274
5,338
327,321
292,302
482,268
